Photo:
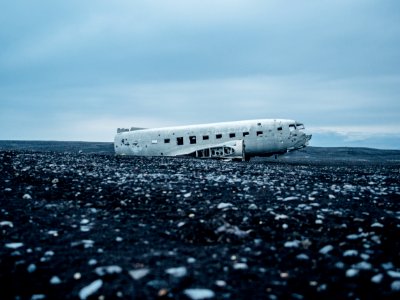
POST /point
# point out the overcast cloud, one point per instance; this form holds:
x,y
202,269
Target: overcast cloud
x,y
77,70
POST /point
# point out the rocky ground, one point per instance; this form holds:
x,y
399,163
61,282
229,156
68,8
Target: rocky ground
x,y
92,226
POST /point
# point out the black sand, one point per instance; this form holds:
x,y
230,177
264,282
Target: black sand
x,y
137,228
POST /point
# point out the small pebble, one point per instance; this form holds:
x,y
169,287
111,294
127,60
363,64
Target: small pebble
x,y
55,280
139,273
240,266
220,283
395,286
351,272
326,249
350,253
92,262
90,289
223,205
7,223
177,272
377,278
394,274
292,244
31,268
199,294
108,270
14,245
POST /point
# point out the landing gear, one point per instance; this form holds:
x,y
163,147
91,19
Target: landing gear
x,y
247,157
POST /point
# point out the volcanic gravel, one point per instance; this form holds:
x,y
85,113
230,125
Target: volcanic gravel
x,y
81,226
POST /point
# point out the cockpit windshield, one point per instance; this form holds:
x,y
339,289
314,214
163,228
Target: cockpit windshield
x,y
300,126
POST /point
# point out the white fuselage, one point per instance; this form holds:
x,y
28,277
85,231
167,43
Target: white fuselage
x,y
263,137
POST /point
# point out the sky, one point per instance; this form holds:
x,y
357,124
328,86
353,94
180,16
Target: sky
x,y
78,70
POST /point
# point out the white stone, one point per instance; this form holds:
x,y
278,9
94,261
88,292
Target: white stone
x,y
291,198
363,266
223,205
351,272
14,245
90,289
92,262
377,225
101,271
7,223
85,221
55,280
377,278
253,206
31,268
85,228
302,256
38,297
53,232
326,249
220,283
292,244
240,266
394,274
139,273
177,272
387,266
350,253
199,294
27,197
187,195
191,260
281,217
395,285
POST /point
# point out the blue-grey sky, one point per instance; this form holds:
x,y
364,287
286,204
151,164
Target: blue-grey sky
x,y
77,70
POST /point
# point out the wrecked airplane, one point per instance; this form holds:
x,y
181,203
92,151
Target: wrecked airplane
x,y
228,140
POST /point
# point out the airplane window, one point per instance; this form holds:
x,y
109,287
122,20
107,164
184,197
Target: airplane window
x,y
167,141
259,124
300,126
245,133
259,133
279,128
205,137
192,139
292,127
179,141
218,136
232,135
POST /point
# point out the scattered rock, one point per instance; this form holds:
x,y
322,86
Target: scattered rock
x,y
199,294
139,273
108,270
326,249
14,245
223,205
90,289
177,272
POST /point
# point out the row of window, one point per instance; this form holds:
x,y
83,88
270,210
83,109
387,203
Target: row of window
x,y
193,139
